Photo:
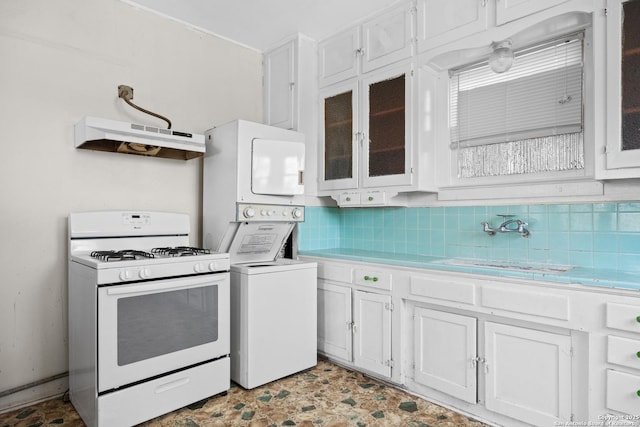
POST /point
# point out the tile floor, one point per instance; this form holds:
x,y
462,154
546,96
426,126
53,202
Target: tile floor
x,y
326,395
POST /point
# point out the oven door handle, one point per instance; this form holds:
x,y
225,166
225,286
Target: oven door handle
x,y
162,287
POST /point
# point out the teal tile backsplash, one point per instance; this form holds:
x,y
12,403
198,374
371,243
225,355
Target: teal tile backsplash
x,y
598,235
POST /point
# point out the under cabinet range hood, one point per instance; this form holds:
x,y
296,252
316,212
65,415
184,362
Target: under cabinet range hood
x,y
100,134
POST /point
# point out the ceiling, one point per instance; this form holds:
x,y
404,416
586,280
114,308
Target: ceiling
x,y
262,24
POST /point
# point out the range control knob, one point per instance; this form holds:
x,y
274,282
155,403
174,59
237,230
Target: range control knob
x,y
125,275
213,266
249,212
145,273
198,268
297,213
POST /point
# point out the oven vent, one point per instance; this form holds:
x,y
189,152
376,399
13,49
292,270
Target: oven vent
x,y
99,134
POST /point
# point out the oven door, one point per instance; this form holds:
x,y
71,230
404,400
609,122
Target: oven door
x,y
156,327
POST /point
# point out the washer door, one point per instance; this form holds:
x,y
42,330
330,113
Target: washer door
x,y
258,242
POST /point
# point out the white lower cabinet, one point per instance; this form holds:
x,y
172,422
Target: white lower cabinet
x,y
372,332
355,326
526,373
445,353
514,352
335,321
623,360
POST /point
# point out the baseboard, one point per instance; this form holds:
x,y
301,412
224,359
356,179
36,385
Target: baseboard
x,y
32,395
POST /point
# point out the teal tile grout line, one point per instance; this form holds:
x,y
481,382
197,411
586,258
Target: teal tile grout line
x,y
592,235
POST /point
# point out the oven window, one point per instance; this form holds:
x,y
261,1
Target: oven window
x,y
162,323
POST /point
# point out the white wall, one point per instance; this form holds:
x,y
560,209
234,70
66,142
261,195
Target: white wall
x,y
61,60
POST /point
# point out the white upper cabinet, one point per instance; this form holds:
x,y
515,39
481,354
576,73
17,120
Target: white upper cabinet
x,y
338,57
377,42
279,86
388,38
387,128
367,133
339,136
442,22
510,10
623,99
290,85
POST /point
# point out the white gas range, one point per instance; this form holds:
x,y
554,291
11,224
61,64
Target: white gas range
x,y
148,317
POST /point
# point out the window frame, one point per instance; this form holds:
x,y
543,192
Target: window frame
x,y
449,156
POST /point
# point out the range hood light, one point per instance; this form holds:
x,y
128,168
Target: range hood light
x,y
99,134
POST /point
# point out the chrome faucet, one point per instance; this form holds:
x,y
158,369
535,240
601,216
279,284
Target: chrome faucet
x,y
506,227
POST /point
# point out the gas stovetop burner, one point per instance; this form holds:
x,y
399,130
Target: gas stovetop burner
x,y
180,251
123,255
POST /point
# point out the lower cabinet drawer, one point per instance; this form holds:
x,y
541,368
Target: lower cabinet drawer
x,y
335,272
372,278
527,301
623,351
443,289
623,392
624,317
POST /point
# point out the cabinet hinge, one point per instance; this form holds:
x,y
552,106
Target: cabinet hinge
x,y
571,352
413,10
388,306
390,363
606,11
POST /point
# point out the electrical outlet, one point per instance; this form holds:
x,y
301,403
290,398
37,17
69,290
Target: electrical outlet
x,y
125,92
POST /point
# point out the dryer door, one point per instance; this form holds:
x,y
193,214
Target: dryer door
x,y
277,167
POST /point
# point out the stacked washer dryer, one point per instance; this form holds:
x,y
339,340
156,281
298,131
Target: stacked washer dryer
x,y
253,198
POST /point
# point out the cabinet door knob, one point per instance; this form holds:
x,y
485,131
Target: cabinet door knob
x,y
370,198
638,354
638,393
638,319
373,279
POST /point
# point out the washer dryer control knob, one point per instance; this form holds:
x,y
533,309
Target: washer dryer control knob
x,y
297,213
249,212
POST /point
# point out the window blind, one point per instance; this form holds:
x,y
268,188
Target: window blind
x,y
540,96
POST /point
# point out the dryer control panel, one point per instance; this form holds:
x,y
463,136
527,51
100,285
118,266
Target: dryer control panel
x,y
246,212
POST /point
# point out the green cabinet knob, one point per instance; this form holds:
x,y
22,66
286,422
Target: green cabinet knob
x,y
373,279
638,319
638,393
638,354
348,199
371,198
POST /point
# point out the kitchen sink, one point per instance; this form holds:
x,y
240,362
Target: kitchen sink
x,y
508,265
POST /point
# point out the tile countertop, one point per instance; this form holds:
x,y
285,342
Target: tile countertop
x,y
574,275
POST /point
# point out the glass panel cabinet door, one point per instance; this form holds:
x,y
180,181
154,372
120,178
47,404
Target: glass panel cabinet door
x,y
631,76
339,169
386,127
623,87
387,130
